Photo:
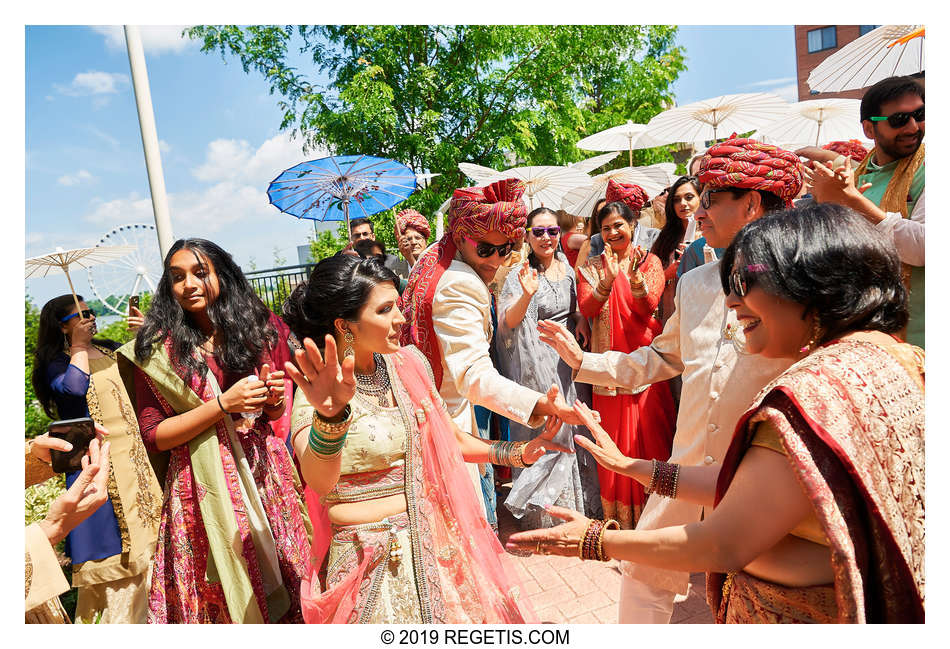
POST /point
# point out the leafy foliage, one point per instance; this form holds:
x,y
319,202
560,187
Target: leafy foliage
x,y
432,96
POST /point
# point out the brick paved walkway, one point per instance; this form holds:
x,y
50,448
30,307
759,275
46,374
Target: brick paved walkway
x,y
566,589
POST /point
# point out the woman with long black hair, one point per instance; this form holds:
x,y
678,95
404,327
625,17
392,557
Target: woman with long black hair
x,y
75,375
670,244
233,540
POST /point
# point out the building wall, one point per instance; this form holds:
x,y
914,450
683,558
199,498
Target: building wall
x,y
806,62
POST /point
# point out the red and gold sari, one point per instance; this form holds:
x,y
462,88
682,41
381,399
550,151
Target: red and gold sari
x,y
641,422
851,419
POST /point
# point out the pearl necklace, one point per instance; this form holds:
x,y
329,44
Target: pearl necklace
x,y
375,385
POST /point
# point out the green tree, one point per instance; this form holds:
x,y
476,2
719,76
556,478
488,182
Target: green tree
x,y
432,96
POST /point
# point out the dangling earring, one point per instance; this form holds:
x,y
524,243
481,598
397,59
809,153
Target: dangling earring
x,y
65,342
815,336
348,340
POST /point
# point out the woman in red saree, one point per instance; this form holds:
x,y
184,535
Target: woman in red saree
x,y
619,291
819,503
400,537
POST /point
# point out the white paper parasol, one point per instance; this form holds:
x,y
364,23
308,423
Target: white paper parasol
x,y
817,121
544,185
887,51
60,260
653,179
715,118
588,165
625,137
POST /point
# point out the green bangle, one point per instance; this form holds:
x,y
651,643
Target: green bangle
x,y
325,447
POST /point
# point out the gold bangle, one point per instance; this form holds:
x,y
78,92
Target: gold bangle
x,y
333,428
638,285
580,544
600,539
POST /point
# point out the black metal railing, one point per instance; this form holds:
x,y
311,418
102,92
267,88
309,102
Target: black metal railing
x,y
273,285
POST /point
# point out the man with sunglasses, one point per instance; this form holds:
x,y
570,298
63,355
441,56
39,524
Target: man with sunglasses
x,y
448,308
887,188
743,180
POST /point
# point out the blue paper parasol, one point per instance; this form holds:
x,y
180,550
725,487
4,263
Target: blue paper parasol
x,y
329,189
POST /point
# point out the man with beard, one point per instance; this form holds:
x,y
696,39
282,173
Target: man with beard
x,y
887,188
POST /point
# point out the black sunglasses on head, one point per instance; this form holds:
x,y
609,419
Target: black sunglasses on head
x,y
897,120
485,250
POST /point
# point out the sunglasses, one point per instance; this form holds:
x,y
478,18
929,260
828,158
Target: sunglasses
x,y
485,250
552,231
86,314
740,282
704,198
897,120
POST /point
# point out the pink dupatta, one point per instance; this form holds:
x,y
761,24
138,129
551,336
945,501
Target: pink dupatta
x,y
462,572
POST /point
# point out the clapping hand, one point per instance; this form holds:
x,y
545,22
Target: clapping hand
x,y
529,279
837,185
327,384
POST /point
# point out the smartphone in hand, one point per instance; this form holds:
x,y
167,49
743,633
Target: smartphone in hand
x,y
78,432
133,302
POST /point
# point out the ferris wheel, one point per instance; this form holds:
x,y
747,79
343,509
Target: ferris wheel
x,y
112,283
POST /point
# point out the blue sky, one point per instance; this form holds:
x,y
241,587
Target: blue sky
x,y
85,171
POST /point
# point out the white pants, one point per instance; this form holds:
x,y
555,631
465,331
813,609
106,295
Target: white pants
x,y
642,603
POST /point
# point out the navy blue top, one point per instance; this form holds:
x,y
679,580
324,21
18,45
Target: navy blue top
x,y
693,256
97,537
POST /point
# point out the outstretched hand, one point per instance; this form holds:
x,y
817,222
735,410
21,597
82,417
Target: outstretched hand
x,y
560,338
535,449
562,540
327,384
603,448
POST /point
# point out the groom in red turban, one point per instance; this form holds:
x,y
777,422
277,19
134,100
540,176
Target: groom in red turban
x,y
447,306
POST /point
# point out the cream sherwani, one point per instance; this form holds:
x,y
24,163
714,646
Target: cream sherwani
x,y
719,384
461,318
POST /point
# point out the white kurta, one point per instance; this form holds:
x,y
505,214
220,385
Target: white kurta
x,y
461,318
719,384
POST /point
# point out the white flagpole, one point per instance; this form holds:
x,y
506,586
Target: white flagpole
x,y
153,157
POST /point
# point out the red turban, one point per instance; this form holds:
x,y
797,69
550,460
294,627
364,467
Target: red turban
x,y
476,211
747,164
412,219
852,148
633,196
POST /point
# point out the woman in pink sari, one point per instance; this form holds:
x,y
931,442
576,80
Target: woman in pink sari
x,y
619,291
402,538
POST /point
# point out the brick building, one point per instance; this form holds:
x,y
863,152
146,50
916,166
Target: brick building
x,y
815,43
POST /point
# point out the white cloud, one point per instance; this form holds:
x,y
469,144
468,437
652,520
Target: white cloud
x,y
789,93
234,160
164,146
94,82
770,82
156,39
111,141
71,180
